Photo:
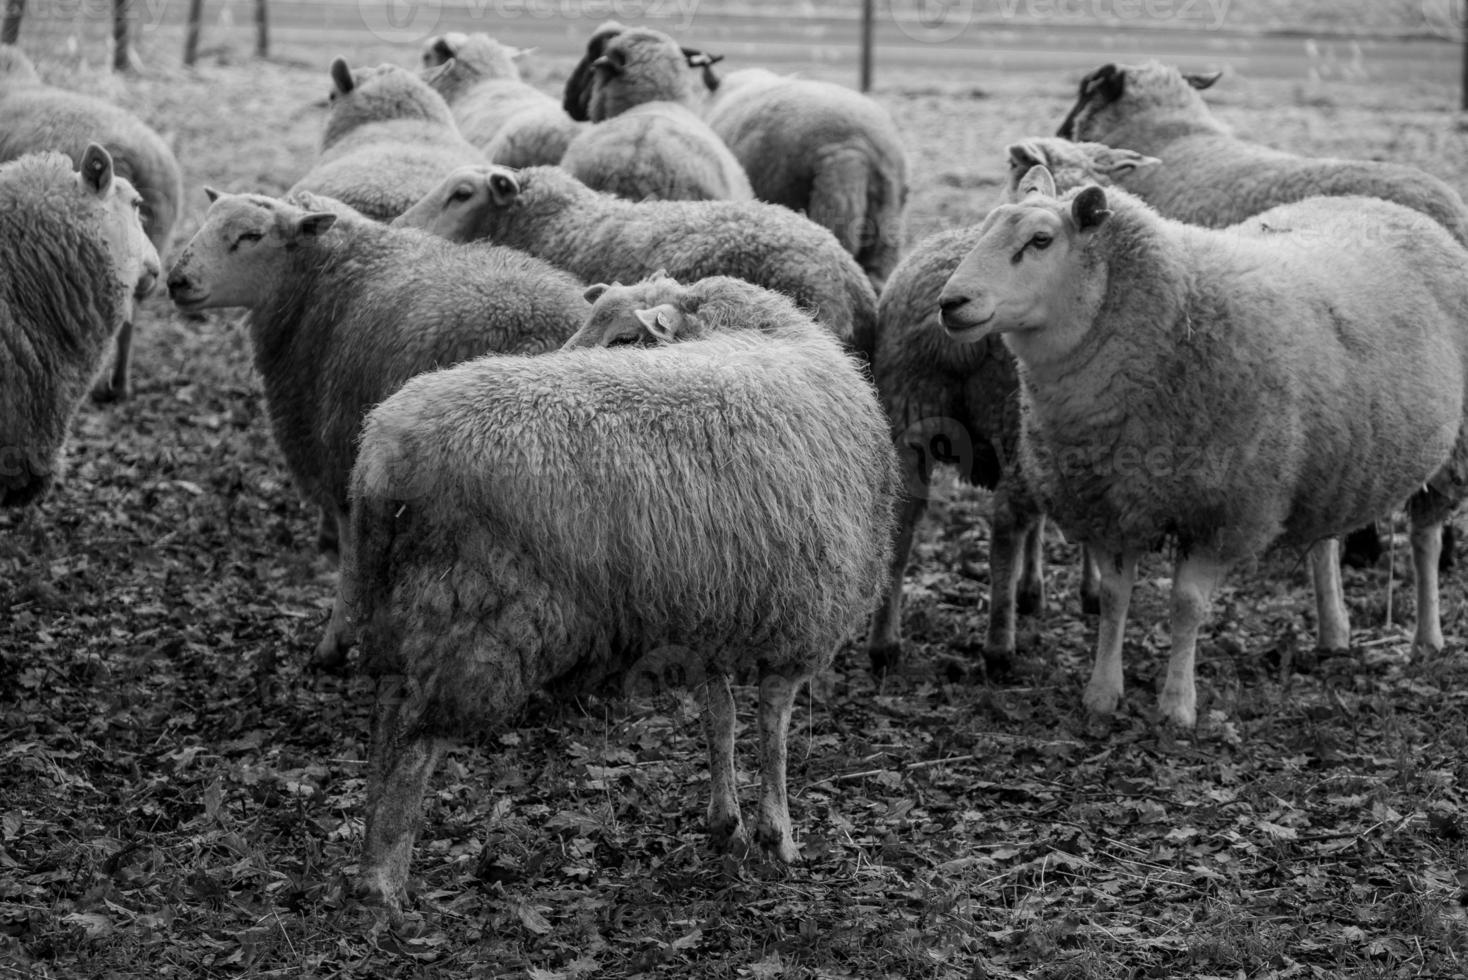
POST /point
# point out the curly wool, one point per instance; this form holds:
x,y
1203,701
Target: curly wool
x,y
388,141
601,238
1212,178
60,303
523,520
717,304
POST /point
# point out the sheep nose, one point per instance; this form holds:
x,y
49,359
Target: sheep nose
x,y
146,283
949,305
177,283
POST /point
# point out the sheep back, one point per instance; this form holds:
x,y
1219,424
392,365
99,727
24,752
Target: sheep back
x,y
523,519
656,151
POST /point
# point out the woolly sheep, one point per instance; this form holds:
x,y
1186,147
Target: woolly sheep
x,y
646,141
343,310
822,149
389,140
600,238
718,506
962,400
36,117
1215,179
514,124
1163,403
661,310
75,258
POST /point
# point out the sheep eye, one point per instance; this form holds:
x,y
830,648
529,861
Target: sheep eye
x,y
622,341
1041,241
460,194
246,236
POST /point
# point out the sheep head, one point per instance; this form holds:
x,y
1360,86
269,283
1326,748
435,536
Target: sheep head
x,y
1113,96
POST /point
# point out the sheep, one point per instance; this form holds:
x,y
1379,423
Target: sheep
x,y
718,507
389,140
961,402
76,257
1215,179
513,123
646,140
36,117
343,310
1163,403
661,310
822,149
598,237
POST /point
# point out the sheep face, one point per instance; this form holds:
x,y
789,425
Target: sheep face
x,y
577,98
459,208
1028,276
243,251
1113,95
654,311
133,256
1072,164
636,67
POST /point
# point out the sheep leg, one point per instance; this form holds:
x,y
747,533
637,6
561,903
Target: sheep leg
x,y
1030,598
1010,533
776,705
1090,583
884,637
330,533
726,825
400,761
1427,539
1332,622
331,652
114,388
1118,573
1193,582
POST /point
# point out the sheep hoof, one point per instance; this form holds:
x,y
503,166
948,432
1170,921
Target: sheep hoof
x,y
1101,701
778,844
731,838
998,662
1090,605
1030,599
1427,646
1177,709
104,394
885,657
390,905
330,656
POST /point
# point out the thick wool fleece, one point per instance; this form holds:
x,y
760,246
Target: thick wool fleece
x,y
1212,178
1187,414
717,304
601,238
821,149
656,151
61,300
521,519
388,141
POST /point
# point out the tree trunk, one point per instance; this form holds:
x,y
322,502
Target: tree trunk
x,y
262,30
120,54
191,32
10,30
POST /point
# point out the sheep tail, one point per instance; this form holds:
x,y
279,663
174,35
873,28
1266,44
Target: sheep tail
x,y
838,197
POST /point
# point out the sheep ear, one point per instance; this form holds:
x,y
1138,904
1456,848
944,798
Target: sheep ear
x,y
1119,163
441,49
341,76
212,194
1203,81
1037,180
503,187
312,225
1089,208
594,291
96,168
435,72
659,322
1026,155
1108,81
700,59
609,64
517,53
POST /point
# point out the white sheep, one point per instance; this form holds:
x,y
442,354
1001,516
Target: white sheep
x,y
1164,403
647,140
661,310
36,117
389,140
821,149
720,507
959,403
75,258
343,310
1213,178
600,238
513,123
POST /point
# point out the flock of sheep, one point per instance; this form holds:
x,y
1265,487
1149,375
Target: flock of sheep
x,y
1161,336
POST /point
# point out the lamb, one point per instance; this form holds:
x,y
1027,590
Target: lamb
x,y
720,505
513,123
1163,403
343,310
389,140
961,402
646,141
76,257
35,117
600,238
822,149
1215,179
661,310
